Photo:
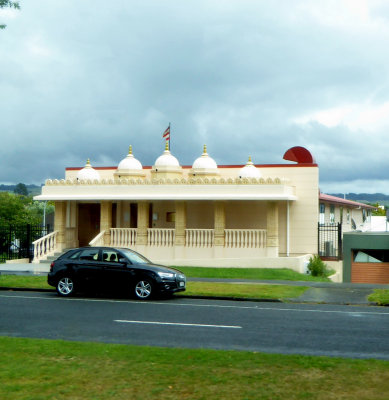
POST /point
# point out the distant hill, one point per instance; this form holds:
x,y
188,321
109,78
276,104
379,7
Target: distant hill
x,y
32,189
370,198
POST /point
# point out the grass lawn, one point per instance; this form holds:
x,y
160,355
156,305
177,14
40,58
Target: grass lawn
x,y
43,369
250,273
22,281
380,296
248,291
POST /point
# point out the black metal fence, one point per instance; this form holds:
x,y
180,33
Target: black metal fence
x,y
330,241
16,240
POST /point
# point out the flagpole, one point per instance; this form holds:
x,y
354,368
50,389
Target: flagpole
x,y
170,132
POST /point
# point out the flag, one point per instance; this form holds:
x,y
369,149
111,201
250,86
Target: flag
x,y
166,134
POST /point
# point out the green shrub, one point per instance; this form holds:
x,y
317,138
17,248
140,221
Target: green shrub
x,y
317,267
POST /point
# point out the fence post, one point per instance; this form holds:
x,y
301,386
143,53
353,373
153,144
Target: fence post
x,y
340,242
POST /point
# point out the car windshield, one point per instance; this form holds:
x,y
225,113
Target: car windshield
x,y
135,258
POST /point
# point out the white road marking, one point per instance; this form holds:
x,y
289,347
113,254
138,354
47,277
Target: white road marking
x,y
167,303
178,324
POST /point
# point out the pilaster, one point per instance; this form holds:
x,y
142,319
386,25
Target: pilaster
x,y
60,223
143,223
219,223
272,241
106,221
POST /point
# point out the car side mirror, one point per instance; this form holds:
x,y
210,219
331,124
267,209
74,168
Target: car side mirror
x,y
124,261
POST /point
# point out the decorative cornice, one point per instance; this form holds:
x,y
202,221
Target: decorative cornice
x,y
176,181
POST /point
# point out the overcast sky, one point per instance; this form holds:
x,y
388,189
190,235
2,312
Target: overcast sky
x,y
86,78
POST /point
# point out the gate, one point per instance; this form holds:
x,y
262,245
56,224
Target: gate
x,y
16,240
330,241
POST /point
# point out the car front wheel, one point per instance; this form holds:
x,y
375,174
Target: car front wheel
x,y
144,289
65,286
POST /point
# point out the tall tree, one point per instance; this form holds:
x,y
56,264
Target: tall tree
x,y
8,3
21,189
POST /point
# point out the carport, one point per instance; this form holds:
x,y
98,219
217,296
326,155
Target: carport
x,y
366,257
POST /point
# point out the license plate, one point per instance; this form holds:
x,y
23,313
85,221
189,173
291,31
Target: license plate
x,y
182,283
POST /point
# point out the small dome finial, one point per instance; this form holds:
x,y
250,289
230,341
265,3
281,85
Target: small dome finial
x,y
205,149
88,162
167,146
130,150
250,159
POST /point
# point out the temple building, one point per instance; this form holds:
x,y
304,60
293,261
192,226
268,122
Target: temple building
x,y
200,215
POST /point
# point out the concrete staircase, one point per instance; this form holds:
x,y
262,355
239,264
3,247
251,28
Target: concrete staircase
x,y
53,257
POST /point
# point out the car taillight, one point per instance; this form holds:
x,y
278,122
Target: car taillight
x,y
51,266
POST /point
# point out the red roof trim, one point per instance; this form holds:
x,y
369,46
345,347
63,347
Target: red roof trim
x,y
333,199
220,166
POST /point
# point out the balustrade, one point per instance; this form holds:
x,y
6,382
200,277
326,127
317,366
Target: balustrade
x,y
245,238
160,237
98,240
199,237
123,237
45,246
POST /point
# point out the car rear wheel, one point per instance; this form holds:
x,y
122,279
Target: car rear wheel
x,y
144,289
65,286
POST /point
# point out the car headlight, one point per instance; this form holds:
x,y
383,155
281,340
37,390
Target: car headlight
x,y
165,274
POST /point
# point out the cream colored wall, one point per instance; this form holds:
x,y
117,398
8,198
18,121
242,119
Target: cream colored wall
x,y
200,215
245,214
282,226
161,208
304,213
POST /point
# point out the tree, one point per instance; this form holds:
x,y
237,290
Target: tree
x,y
379,211
11,4
21,189
16,209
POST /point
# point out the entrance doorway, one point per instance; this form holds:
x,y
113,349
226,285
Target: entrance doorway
x,y
88,222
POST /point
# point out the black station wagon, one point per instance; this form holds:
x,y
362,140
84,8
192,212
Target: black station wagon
x,y
104,269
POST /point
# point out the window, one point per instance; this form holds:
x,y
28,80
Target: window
x,y
89,254
322,214
371,256
332,214
348,216
341,215
110,256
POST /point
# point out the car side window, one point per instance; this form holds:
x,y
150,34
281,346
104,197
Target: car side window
x,y
75,255
89,255
110,256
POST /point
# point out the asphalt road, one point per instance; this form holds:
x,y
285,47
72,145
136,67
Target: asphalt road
x,y
357,332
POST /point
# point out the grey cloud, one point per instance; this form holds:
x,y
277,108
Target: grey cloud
x,y
86,79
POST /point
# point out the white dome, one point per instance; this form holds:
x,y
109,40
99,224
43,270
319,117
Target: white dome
x,y
166,159
129,163
204,161
249,171
88,173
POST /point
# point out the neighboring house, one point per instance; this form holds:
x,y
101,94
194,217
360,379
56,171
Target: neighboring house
x,y
351,214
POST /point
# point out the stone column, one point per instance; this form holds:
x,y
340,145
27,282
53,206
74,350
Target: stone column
x,y
60,223
180,229
272,242
219,226
143,224
180,224
71,239
106,221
